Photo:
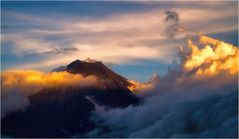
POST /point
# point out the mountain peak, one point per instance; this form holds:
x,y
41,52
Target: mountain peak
x,y
97,68
86,67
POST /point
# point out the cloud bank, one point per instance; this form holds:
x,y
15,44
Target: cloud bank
x,y
17,85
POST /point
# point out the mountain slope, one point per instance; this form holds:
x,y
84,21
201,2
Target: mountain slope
x,y
59,112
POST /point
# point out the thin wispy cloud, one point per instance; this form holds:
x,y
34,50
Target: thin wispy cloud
x,y
114,38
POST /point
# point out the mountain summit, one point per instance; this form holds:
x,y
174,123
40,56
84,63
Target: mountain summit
x,y
98,69
89,67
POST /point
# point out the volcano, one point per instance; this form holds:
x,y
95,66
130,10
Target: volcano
x,y
56,112
98,69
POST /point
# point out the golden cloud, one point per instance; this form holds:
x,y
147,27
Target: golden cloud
x,y
216,56
30,81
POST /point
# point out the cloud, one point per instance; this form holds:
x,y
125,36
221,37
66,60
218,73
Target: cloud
x,y
179,105
173,117
57,51
199,65
17,85
215,57
124,32
26,45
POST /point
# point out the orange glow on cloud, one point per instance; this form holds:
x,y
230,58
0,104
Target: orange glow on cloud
x,y
214,57
30,81
138,87
210,60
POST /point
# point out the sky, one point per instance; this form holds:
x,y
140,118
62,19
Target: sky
x,y
129,37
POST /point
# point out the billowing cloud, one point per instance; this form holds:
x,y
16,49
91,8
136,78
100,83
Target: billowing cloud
x,y
208,62
170,115
17,85
184,103
215,57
